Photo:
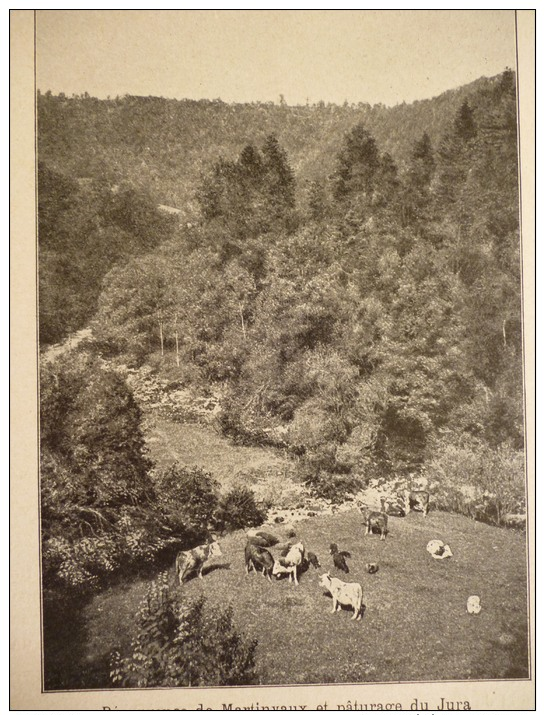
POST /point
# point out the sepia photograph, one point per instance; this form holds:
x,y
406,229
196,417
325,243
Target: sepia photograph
x,y
282,429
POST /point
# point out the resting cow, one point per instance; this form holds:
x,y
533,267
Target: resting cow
x,y
261,538
194,559
344,594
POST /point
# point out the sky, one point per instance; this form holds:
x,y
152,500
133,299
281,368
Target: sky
x,y
373,56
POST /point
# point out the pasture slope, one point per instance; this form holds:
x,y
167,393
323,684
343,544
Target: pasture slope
x,y
415,625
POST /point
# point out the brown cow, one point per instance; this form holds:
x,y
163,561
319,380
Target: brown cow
x,y
256,556
194,559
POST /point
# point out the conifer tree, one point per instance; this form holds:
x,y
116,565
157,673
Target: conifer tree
x,y
357,164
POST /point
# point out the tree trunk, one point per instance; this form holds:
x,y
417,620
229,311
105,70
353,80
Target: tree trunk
x,y
161,337
242,322
177,349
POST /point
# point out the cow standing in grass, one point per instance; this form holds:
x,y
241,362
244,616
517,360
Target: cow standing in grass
x,y
344,594
290,562
416,500
255,557
194,559
374,521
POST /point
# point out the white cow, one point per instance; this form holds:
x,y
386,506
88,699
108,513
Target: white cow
x,y
290,562
344,594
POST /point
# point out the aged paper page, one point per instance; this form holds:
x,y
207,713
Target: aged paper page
x,y
121,110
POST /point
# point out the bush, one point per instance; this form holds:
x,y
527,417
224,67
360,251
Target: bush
x,y
90,423
188,500
477,480
183,644
97,499
333,487
238,509
113,543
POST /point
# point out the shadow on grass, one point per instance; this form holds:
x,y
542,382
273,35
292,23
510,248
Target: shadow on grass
x,y
346,608
216,567
64,640
207,570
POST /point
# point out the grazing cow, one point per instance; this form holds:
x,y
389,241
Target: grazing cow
x,y
416,500
194,559
344,594
257,556
290,562
375,521
339,558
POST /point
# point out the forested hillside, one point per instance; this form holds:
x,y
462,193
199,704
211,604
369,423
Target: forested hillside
x,y
84,228
375,326
106,164
163,145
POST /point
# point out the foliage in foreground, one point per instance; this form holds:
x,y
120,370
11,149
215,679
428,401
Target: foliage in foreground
x,y
184,644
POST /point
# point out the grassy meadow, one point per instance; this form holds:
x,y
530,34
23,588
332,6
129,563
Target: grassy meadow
x,y
415,625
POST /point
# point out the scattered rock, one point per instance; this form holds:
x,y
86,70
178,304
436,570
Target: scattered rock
x,y
506,639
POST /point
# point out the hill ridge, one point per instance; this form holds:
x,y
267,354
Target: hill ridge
x,y
165,145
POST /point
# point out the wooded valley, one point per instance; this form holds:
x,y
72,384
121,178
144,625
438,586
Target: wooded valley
x,y
344,280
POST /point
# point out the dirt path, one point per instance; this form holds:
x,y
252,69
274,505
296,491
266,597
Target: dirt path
x,y
71,342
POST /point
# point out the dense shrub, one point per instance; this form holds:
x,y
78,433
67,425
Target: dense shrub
x,y
477,480
126,539
97,499
238,509
334,487
188,499
90,423
242,425
183,644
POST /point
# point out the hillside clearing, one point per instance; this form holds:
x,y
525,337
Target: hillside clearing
x,y
415,625
200,446
266,471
